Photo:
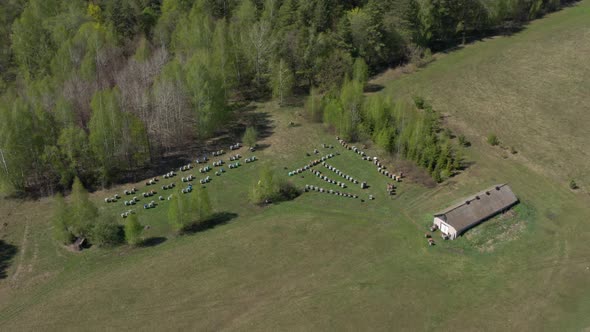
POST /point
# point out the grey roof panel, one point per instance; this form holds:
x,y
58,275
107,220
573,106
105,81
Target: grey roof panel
x,y
478,207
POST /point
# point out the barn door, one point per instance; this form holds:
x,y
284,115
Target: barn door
x,y
444,228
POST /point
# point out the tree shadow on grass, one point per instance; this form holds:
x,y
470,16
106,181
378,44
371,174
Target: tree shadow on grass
x,y
153,241
220,218
7,252
372,88
260,147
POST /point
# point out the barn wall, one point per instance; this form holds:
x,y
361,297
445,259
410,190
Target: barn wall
x,y
452,232
437,221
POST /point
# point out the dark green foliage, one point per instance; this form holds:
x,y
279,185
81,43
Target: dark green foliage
x,y
106,232
573,184
419,102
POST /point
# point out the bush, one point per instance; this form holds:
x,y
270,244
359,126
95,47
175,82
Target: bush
x,y
493,140
573,185
106,232
419,102
270,189
287,191
463,140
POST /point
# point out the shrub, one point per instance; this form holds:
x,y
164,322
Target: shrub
x,y
573,184
268,188
287,191
106,232
463,140
513,150
419,102
493,140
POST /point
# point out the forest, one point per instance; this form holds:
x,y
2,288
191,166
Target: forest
x,y
96,89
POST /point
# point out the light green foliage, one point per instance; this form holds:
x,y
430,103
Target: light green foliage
x,y
204,86
135,141
55,55
194,32
73,152
31,42
224,56
250,137
282,81
133,230
360,71
83,212
176,218
142,53
265,188
21,142
201,208
361,30
106,130
186,210
259,51
61,221
172,11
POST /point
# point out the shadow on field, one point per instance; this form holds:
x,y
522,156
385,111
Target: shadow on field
x,y
7,252
260,147
220,218
153,241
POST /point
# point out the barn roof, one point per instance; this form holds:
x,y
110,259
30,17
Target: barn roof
x,y
478,207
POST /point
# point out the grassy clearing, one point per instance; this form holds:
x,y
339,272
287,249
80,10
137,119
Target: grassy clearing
x,y
530,89
326,263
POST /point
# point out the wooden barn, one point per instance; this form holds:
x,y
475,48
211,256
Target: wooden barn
x,y
473,210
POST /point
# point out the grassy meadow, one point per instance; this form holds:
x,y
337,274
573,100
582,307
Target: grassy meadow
x,y
328,263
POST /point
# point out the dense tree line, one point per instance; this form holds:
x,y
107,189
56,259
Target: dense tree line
x,y
94,88
411,131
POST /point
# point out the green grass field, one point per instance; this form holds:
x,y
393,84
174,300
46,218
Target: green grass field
x,y
327,263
